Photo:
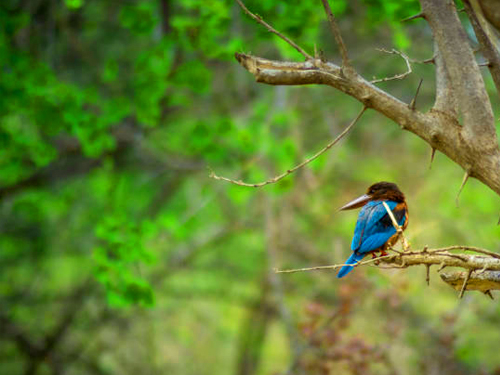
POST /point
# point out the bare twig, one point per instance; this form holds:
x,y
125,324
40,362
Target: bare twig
x,y
398,228
414,100
467,248
427,276
333,266
336,33
305,162
274,31
464,181
397,76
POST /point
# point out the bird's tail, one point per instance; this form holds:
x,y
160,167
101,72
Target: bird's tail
x,y
353,259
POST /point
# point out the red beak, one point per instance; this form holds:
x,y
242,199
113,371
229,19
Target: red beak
x,y
356,203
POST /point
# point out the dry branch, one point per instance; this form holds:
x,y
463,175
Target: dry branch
x,y
338,36
483,270
396,76
465,76
274,31
483,282
439,129
297,167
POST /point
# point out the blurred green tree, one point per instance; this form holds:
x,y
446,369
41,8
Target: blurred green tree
x,y
119,255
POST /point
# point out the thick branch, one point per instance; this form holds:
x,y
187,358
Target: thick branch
x,y
483,270
447,259
465,76
483,282
485,40
440,130
446,100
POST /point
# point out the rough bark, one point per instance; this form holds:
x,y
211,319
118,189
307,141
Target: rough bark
x,y
486,39
491,9
483,282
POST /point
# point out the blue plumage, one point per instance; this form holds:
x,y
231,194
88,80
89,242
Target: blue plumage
x,y
373,229
353,259
370,232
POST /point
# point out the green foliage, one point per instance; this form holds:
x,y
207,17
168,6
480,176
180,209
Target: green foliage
x,y
110,114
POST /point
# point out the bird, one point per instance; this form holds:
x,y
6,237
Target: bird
x,y
374,230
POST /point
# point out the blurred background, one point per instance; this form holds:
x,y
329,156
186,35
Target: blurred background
x,y
118,253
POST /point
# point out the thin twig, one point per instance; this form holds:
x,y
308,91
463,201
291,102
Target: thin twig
x,y
274,31
305,162
397,76
467,248
336,33
464,286
334,266
464,181
398,228
427,276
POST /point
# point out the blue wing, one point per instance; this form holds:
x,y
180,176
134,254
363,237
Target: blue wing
x,y
371,230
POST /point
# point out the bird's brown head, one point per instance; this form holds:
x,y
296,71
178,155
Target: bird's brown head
x,y
380,191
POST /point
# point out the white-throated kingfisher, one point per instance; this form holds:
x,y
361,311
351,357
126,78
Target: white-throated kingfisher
x,y
374,229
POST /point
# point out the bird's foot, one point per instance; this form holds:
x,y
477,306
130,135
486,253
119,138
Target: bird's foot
x,y
383,253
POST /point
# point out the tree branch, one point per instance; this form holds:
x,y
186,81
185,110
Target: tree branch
x,y
483,270
483,282
297,167
440,130
338,37
396,76
446,100
485,39
465,76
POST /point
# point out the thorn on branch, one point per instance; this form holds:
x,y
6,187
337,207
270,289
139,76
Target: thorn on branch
x,y
488,293
464,181
432,60
464,286
297,167
419,15
414,100
274,31
433,153
427,277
